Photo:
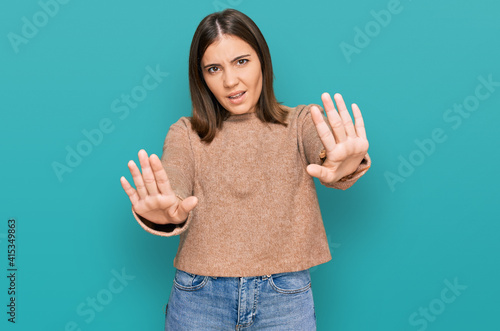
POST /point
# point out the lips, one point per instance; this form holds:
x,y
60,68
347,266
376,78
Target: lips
x,y
236,94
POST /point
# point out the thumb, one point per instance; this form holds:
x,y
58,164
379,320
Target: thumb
x,y
188,204
314,170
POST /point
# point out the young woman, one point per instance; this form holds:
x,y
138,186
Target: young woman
x,y
235,181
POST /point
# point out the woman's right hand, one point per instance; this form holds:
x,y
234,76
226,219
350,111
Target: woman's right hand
x,y
154,199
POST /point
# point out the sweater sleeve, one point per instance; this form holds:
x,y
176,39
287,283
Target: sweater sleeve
x,y
178,161
313,150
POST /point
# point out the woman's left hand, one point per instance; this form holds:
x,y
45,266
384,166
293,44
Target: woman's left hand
x,y
346,147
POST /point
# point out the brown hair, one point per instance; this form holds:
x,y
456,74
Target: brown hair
x,y
208,113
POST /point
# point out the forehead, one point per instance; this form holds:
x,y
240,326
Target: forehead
x,y
226,48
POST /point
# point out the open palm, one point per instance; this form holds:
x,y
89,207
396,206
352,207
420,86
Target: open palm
x,y
345,147
154,198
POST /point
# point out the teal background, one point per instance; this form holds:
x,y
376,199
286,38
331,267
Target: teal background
x,y
393,249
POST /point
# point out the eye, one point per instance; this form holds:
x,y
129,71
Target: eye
x,y
212,70
242,61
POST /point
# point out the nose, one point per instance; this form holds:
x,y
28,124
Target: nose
x,y
230,78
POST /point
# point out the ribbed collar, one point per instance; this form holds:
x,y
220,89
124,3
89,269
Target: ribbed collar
x,y
241,117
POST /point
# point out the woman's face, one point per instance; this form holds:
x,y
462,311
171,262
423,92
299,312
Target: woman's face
x,y
232,71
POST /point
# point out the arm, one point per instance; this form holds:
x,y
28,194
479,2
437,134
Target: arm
x,y
178,161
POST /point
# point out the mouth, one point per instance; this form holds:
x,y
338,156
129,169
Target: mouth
x,y
236,95
237,98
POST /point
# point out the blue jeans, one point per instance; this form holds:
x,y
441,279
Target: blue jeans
x,y
282,301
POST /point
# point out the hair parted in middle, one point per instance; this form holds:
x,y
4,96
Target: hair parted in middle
x,y
208,114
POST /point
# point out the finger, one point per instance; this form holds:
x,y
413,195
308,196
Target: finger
x,y
147,173
319,172
324,132
333,118
160,174
132,194
138,182
360,124
188,204
344,114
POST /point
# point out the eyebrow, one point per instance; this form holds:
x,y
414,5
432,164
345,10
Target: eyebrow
x,y
235,59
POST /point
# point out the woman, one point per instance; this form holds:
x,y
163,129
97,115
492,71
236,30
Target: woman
x,y
235,181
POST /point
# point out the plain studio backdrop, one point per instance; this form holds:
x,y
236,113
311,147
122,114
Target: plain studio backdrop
x,y
86,84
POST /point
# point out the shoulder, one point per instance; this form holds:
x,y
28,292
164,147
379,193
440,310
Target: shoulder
x,y
182,124
181,130
183,121
301,113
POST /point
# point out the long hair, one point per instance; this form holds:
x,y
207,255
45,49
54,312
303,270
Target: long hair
x,y
208,113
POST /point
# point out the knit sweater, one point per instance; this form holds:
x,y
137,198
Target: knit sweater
x,y
257,211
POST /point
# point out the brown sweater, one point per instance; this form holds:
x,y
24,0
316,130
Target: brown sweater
x,y
257,212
